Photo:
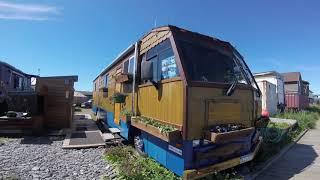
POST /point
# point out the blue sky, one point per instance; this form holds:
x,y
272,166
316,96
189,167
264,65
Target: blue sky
x,y
82,37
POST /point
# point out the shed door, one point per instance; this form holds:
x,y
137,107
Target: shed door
x,y
117,106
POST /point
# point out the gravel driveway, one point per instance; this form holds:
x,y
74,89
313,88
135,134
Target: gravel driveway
x,y
43,158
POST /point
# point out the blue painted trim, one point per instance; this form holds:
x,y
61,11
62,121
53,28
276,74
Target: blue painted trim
x,y
158,149
109,120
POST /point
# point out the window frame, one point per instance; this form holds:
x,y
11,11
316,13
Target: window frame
x,y
129,65
158,61
105,80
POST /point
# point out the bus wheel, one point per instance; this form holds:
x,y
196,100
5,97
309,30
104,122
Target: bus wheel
x,y
138,145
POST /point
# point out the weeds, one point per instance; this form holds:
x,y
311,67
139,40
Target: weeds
x,y
306,120
132,166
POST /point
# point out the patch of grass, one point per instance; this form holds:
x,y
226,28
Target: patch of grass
x,y
278,125
306,120
134,167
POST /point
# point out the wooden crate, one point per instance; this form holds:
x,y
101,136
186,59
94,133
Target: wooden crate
x,y
168,136
222,138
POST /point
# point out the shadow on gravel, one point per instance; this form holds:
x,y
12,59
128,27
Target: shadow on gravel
x,y
37,140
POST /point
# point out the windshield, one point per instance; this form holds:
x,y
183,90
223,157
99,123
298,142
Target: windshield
x,y
245,69
209,65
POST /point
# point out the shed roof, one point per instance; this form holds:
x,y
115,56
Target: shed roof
x,y
73,77
292,76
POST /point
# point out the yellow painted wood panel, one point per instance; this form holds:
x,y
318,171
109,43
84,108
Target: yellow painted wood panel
x,y
198,96
221,113
117,106
102,101
164,104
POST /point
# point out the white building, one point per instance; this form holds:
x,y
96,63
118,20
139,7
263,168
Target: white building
x,y
272,96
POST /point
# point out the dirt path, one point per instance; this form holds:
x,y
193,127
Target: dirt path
x,y
302,161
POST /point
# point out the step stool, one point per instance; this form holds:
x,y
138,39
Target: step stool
x,y
114,130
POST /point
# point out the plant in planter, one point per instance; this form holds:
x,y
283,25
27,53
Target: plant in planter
x,y
118,97
164,128
158,129
126,114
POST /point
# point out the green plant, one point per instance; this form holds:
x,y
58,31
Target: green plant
x,y
132,166
306,119
164,128
126,112
278,125
118,97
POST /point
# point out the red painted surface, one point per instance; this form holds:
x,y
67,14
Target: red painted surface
x,y
296,101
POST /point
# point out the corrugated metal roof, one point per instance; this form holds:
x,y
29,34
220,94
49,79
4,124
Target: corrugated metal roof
x,y
291,76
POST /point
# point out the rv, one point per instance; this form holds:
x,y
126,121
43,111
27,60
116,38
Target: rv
x,y
187,100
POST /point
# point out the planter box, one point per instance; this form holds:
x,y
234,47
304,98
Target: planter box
x,y
168,136
119,99
127,78
222,138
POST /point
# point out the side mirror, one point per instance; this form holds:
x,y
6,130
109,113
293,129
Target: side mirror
x,y
147,70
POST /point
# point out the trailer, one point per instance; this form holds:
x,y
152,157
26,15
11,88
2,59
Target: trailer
x,y
296,101
187,100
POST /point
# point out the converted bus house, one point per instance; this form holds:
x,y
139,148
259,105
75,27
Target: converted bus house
x,y
184,83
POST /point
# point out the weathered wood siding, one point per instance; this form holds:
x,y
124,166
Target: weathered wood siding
x,y
58,94
154,38
164,104
208,106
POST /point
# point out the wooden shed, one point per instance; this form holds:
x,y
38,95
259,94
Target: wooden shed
x,y
58,92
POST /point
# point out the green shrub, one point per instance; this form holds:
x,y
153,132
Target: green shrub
x,y
132,166
278,125
306,119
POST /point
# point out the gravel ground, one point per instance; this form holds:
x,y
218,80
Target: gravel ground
x,y
43,158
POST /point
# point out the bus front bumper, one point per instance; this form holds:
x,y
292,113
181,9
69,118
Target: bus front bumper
x,y
199,173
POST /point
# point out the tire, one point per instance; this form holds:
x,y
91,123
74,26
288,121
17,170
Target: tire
x,y
138,145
